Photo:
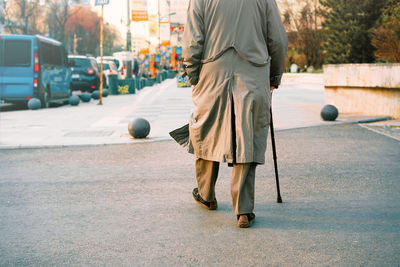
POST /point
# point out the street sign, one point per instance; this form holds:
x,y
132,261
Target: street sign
x,y
178,50
177,28
165,34
147,61
139,10
101,2
73,3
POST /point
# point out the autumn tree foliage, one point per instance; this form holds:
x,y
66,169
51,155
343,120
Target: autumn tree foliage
x,y
112,39
386,36
74,25
83,25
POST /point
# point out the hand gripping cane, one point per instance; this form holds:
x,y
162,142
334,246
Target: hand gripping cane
x,y
271,125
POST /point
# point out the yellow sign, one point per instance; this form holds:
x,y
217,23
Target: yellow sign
x,y
166,43
122,90
139,10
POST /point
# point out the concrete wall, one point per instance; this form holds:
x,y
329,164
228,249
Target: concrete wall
x,y
370,89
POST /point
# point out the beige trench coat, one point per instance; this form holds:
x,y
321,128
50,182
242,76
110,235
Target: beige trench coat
x,y
234,50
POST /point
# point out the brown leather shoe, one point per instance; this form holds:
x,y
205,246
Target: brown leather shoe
x,y
246,220
213,205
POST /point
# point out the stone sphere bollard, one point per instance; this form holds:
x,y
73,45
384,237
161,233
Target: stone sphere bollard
x,y
139,128
329,113
96,94
34,103
85,97
105,92
74,100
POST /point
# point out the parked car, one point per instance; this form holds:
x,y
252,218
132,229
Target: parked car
x,y
108,68
127,63
85,73
109,58
33,67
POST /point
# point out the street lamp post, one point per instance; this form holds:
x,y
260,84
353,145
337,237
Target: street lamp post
x,y
159,28
159,21
101,56
128,25
159,24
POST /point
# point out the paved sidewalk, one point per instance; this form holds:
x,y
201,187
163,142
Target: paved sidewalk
x,y
131,205
297,103
164,105
389,128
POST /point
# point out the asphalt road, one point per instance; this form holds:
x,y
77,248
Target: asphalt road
x,y
119,205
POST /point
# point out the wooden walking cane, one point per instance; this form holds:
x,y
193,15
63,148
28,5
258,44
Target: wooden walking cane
x,y
271,125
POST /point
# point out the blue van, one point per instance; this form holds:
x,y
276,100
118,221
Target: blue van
x,y
33,67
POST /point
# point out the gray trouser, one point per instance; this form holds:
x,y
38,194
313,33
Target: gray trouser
x,y
242,183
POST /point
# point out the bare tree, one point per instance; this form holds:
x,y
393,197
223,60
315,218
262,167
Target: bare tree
x,y
59,12
22,16
112,38
3,5
302,20
57,17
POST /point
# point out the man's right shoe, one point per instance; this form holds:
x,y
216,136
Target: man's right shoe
x,y
213,205
245,220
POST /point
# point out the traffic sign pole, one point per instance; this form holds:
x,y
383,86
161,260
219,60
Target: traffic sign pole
x,y
101,3
101,56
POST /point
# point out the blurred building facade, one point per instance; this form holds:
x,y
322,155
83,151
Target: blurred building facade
x,y
179,7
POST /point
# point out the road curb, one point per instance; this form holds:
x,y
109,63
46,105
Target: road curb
x,y
131,142
375,119
168,138
358,121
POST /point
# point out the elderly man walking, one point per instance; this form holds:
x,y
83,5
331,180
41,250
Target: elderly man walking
x,y
234,52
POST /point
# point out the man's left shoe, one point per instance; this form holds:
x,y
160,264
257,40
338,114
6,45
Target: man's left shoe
x,y
213,205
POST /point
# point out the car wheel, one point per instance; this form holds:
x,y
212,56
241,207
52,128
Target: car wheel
x,y
45,99
68,95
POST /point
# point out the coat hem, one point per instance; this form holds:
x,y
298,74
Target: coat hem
x,y
223,159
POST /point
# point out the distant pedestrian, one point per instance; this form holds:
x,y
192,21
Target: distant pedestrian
x,y
234,52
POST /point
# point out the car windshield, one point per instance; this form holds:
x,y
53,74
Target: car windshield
x,y
110,59
112,66
106,66
116,62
